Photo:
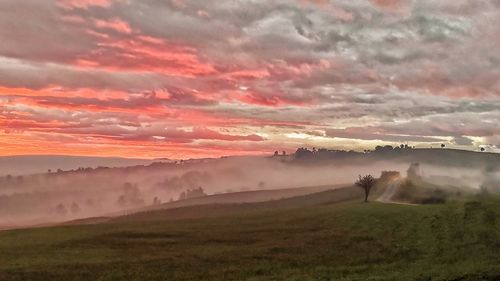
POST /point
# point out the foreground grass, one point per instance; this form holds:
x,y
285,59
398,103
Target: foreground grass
x,y
342,241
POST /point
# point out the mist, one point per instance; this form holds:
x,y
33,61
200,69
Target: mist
x,y
92,192
36,164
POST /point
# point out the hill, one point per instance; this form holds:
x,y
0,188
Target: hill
x,y
96,192
251,196
230,204
304,238
36,164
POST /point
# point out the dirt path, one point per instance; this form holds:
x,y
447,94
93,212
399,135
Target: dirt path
x,y
389,192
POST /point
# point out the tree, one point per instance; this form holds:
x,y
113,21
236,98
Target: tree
x,y
131,195
366,183
303,153
61,210
121,200
90,202
482,149
75,209
192,193
442,145
156,201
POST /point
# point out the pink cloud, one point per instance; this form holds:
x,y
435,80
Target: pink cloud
x,y
117,74
392,5
141,53
114,24
84,4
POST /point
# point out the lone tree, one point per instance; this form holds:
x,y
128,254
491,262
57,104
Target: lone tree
x,y
366,183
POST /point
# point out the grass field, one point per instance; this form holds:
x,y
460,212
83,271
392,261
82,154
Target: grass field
x,y
316,240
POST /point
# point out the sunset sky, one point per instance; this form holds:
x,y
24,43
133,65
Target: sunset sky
x,y
182,79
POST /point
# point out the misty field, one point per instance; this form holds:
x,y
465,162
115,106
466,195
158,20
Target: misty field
x,y
335,241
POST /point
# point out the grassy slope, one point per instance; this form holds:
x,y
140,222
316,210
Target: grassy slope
x,y
232,203
325,241
241,197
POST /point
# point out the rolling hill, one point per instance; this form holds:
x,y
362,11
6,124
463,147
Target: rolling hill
x,y
328,235
36,164
232,203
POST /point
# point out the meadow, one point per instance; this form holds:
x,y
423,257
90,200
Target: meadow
x,y
322,238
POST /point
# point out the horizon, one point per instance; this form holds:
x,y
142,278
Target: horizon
x,y
263,154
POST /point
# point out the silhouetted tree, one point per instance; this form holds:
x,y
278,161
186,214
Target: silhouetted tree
x,y
61,210
442,145
121,200
383,149
90,202
366,183
413,173
75,209
156,201
482,149
192,193
303,152
131,195
276,153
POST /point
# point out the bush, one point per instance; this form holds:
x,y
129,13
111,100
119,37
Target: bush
x,y
433,200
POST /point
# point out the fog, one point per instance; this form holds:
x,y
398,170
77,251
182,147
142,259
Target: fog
x,y
35,164
473,178
67,195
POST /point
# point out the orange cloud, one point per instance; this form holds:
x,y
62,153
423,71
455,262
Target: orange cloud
x,y
391,5
114,24
172,78
71,4
142,53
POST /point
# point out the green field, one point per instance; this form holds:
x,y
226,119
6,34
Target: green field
x,y
315,237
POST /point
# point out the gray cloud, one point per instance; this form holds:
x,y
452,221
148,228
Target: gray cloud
x,y
420,70
460,140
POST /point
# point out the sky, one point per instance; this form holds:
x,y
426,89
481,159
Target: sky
x,y
191,79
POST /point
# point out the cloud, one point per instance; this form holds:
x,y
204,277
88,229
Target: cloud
x,y
362,133
360,71
392,5
461,140
72,4
114,24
